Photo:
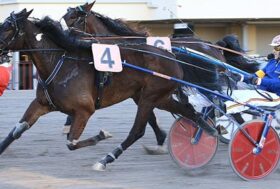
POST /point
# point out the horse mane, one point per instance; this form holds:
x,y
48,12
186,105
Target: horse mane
x,y
119,27
63,38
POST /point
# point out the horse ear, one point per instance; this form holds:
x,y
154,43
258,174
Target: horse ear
x,y
28,13
22,11
89,6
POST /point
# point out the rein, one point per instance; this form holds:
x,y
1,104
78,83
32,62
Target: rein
x,y
169,58
115,37
32,50
178,42
211,45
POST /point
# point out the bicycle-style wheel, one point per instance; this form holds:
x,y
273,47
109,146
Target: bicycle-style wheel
x,y
186,154
245,163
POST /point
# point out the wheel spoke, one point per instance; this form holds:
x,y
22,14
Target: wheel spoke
x,y
252,166
186,154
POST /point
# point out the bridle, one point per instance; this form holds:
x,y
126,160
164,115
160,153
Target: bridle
x,y
81,18
13,21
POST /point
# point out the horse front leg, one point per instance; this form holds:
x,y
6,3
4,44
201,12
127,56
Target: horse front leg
x,y
143,112
31,115
92,141
79,121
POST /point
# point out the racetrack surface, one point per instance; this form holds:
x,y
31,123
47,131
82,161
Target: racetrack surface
x,y
41,160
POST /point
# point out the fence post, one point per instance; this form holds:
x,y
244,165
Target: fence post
x,y
15,74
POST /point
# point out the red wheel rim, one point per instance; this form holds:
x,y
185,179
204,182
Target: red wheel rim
x,y
248,165
186,154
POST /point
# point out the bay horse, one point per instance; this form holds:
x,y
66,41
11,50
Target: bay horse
x,y
82,18
67,82
103,27
98,25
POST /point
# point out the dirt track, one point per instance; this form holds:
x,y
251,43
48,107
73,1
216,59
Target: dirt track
x,y
40,158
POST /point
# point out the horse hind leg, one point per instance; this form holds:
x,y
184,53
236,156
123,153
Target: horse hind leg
x,y
160,148
31,115
67,125
188,111
160,134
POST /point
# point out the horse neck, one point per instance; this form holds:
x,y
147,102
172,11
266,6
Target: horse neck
x,y
44,61
96,26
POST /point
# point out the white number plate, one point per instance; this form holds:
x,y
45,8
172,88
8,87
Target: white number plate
x,y
107,58
160,42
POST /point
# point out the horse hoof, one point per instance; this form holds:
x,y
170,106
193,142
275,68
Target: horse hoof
x,y
66,129
99,167
105,134
156,150
71,147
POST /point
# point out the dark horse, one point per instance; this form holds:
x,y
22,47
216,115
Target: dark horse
x,y
83,19
71,87
236,59
102,27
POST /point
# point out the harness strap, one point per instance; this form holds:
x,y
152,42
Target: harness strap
x,y
102,78
45,84
109,37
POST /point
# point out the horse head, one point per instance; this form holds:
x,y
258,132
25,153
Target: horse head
x,y
82,18
77,14
12,30
235,59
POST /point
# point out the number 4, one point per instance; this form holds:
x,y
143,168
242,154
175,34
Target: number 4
x,y
106,58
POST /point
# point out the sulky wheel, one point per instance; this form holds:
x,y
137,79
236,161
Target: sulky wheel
x,y
230,125
245,163
186,154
